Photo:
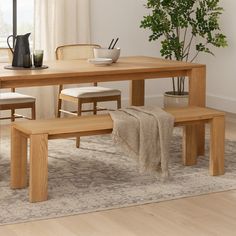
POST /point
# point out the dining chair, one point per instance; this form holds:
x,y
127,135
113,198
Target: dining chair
x,y
13,100
81,95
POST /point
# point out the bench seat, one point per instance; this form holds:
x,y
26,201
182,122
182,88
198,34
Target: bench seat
x,y
40,131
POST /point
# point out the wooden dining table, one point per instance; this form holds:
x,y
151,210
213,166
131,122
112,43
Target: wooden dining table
x,y
135,69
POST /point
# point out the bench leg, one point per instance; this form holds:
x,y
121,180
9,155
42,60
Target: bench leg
x,y
217,146
18,159
201,140
190,145
38,184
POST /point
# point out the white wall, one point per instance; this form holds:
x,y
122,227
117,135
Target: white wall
x,y
121,18
221,68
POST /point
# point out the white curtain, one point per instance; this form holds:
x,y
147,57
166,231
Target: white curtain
x,y
57,22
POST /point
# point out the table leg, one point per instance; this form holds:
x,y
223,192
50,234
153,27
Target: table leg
x,y
38,185
197,97
137,92
18,159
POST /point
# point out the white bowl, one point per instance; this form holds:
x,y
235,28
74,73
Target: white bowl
x,y
100,61
114,54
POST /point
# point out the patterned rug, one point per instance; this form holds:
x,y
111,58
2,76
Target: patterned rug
x,y
97,177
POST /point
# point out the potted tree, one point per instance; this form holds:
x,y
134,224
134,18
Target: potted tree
x,y
185,29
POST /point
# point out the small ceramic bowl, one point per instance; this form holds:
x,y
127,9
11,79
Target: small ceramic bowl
x,y
114,54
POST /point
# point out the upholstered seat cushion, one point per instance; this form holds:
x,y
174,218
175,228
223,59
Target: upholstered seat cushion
x,y
12,97
93,91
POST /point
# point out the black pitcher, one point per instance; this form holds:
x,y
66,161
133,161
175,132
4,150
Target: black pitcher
x,y
20,50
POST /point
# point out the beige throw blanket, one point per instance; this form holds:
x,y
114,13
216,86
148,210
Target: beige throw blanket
x,y
144,133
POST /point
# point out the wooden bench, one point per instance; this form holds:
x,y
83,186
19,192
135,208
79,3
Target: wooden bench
x,y
40,131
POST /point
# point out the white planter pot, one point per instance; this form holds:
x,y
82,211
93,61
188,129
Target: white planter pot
x,y
171,100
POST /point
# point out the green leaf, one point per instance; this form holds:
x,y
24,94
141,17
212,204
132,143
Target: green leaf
x,y
179,24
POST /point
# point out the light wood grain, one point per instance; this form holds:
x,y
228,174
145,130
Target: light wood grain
x,y
66,125
14,106
137,93
104,122
206,215
217,148
193,113
197,97
133,69
80,71
189,154
40,131
38,181
18,159
197,86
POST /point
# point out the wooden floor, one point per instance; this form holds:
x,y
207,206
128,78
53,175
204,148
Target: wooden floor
x,y
212,214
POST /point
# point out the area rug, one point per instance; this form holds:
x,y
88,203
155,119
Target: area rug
x,y
98,177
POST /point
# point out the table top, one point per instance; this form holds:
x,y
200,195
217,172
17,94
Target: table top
x,y
83,69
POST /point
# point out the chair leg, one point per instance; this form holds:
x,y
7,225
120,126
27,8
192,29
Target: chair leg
x,y
94,108
119,102
79,111
33,112
59,107
12,115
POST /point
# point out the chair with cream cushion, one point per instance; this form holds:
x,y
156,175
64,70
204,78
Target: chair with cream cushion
x,y
81,95
12,100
